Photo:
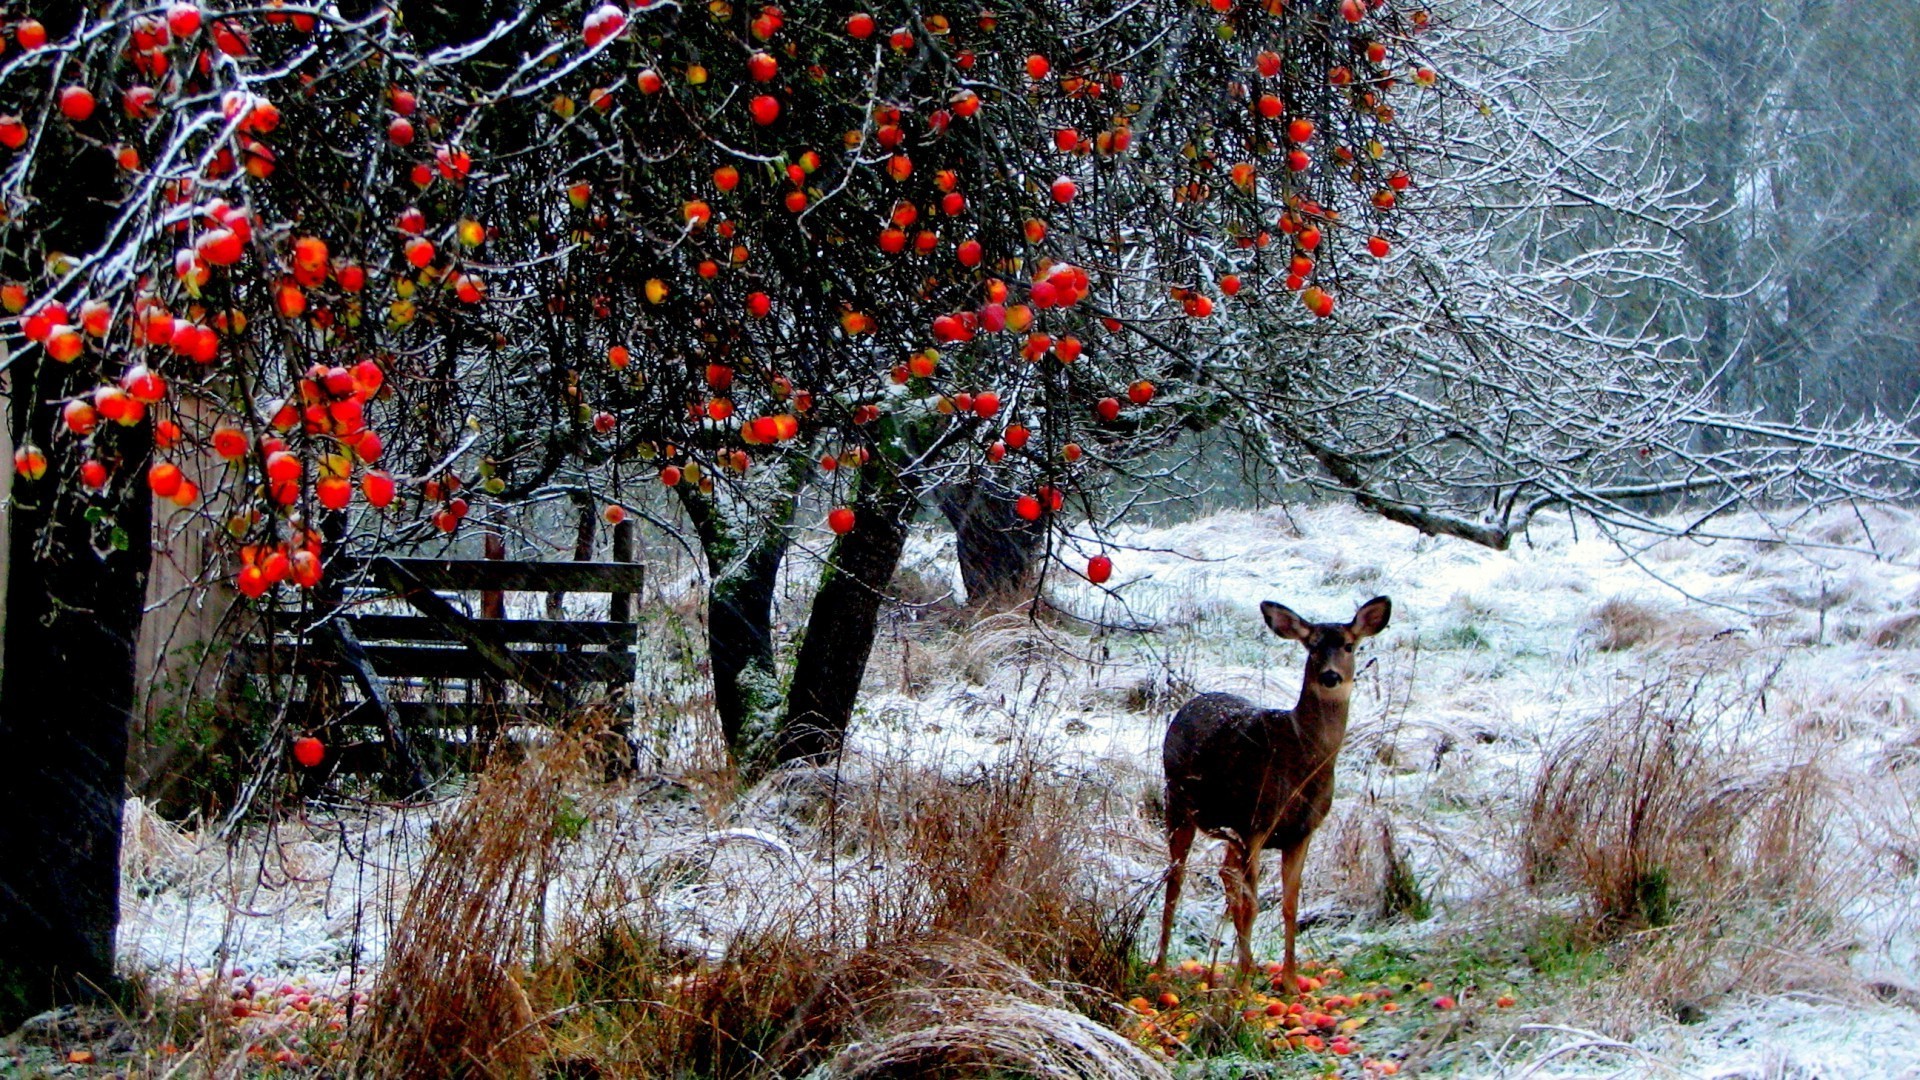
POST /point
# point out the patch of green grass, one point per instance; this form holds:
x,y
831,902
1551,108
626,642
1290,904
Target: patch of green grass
x,y
1465,637
1558,951
569,822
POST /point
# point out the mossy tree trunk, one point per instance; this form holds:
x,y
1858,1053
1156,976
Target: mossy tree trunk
x,y
832,659
743,566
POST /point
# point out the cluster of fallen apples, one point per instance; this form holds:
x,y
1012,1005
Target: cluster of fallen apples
x,y
1322,1019
282,1020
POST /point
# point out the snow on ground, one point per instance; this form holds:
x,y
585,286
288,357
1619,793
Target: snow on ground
x,y
1491,660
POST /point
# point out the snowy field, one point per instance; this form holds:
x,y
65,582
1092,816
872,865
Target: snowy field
x,y
1493,661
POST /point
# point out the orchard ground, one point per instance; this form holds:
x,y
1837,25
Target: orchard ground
x,y
1449,930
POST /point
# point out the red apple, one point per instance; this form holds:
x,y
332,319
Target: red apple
x,y
309,751
76,103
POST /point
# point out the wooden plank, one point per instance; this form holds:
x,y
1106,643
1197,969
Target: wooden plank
x,y
437,714
511,575
426,662
373,628
621,608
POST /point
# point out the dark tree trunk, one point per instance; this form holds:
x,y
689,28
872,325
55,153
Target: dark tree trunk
x,y
744,572
75,589
832,660
997,549
66,703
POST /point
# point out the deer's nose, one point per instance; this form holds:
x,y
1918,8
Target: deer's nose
x,y
1329,678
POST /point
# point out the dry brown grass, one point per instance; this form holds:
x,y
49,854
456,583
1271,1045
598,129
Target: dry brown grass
x,y
449,1001
920,918
1619,623
1370,874
1701,853
1901,631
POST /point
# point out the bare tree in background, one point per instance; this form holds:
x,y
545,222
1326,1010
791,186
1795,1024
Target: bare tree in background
x,y
1530,342
1810,289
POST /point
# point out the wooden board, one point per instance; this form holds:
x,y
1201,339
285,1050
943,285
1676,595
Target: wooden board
x,y
512,576
378,628
424,662
436,714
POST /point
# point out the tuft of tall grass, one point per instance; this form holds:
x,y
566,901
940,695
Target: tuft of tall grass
x,y
451,998
876,918
1706,848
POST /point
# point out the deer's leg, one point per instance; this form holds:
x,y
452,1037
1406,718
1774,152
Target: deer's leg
x,y
1292,861
1236,874
1179,842
1249,911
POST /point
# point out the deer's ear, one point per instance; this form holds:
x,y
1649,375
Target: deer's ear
x,y
1282,620
1371,618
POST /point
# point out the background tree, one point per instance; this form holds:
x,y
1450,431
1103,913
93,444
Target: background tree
x,y
1805,258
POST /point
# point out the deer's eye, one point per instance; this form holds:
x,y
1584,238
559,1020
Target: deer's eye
x,y
1347,646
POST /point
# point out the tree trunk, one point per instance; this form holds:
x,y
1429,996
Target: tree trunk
x,y
997,549
832,660
744,571
75,589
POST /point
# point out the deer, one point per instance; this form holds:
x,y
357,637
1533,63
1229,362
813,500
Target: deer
x,y
1262,778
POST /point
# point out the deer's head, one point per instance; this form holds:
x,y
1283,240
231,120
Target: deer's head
x,y
1330,646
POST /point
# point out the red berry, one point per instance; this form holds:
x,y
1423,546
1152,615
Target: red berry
x,y
1099,569
164,478
840,520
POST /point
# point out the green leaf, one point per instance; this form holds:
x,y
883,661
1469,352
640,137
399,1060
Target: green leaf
x,y
119,539
95,515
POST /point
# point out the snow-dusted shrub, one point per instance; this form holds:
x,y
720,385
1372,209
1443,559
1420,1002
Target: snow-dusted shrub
x,y
1619,623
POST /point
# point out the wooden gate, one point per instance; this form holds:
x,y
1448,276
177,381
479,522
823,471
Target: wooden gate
x,y
409,649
